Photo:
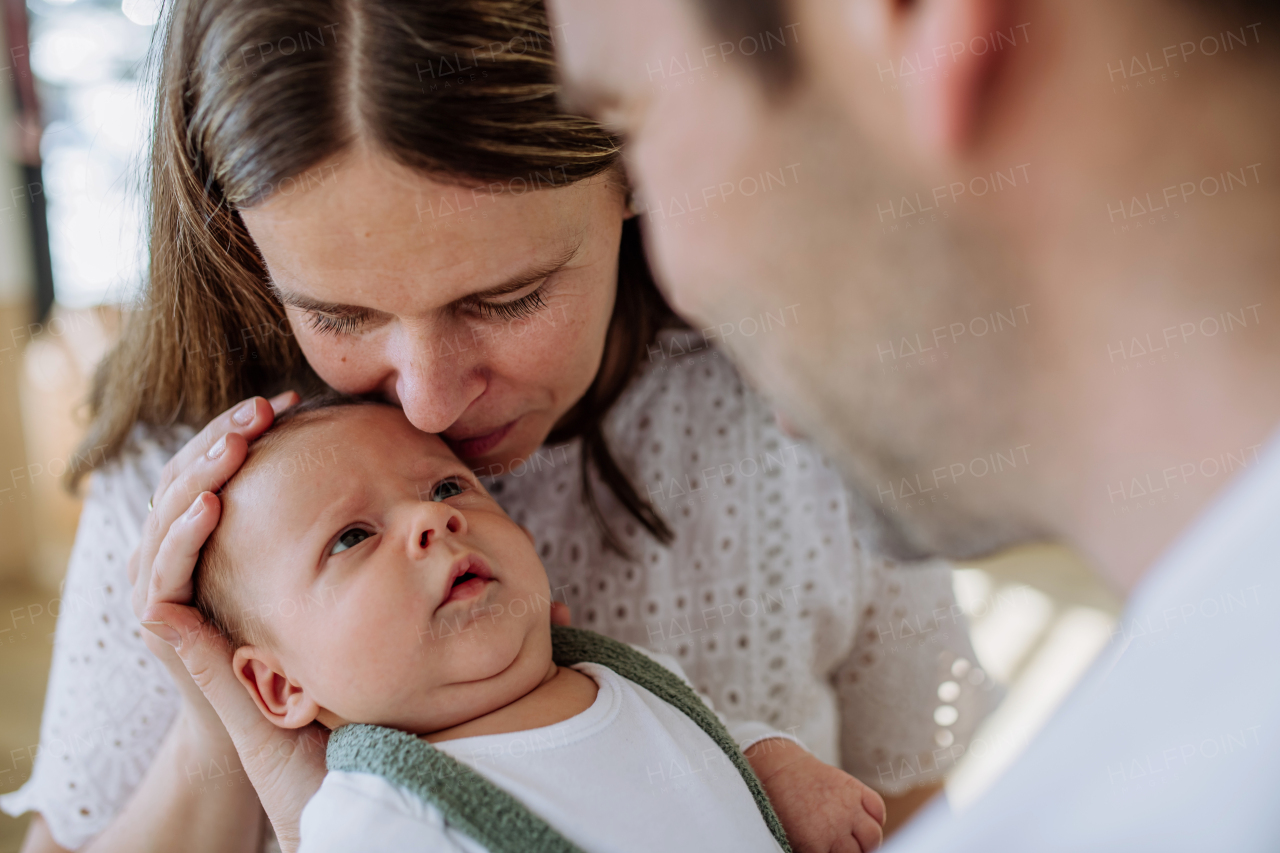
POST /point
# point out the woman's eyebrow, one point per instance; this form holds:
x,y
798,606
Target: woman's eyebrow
x,y
524,279
306,303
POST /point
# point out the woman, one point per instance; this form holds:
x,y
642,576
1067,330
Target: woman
x,y
384,197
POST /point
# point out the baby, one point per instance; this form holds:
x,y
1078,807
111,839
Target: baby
x,y
364,575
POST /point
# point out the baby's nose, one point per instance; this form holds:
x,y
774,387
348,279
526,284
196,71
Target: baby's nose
x,y
453,524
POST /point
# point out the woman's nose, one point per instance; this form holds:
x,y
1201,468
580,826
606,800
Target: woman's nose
x,y
435,520
436,380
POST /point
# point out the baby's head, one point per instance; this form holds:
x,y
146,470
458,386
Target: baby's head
x,y
364,575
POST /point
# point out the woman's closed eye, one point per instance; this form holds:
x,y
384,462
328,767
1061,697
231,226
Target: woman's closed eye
x,y
349,539
349,323
336,324
516,309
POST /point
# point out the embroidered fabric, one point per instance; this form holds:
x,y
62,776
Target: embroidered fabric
x,y
770,597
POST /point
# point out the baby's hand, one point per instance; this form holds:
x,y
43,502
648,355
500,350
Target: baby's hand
x,y
822,808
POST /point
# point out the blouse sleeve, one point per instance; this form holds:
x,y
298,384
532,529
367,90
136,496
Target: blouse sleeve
x,y
109,701
911,693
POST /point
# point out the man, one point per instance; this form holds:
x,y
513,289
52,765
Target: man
x,y
1031,245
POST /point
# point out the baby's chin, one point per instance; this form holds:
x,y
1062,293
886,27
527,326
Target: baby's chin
x,y
487,687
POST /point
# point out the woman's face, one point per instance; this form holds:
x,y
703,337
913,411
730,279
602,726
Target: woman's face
x,y
481,312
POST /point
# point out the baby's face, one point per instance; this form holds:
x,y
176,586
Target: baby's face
x,y
395,590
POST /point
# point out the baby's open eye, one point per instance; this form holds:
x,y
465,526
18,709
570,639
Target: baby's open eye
x,y
349,539
447,488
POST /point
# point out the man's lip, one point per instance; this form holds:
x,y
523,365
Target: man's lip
x,y
479,445
473,563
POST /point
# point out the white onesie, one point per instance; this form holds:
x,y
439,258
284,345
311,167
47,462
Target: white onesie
x,y
630,774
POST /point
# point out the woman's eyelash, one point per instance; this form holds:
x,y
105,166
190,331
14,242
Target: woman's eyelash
x,y
346,324
329,324
514,310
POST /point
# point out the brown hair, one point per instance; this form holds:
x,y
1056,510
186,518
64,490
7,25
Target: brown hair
x,y
254,94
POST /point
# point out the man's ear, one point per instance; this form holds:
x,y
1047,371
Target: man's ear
x,y
965,43
281,700
926,63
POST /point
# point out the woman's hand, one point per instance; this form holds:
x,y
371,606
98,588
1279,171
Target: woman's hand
x,y
161,566
559,613
285,766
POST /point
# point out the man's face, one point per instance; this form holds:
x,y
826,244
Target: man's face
x,y
764,218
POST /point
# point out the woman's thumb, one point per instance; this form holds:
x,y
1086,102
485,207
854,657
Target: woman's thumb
x,y
178,625
207,656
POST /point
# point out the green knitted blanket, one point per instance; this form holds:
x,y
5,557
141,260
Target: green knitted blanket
x,y
489,814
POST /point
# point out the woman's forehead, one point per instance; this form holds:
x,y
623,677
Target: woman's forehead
x,y
369,230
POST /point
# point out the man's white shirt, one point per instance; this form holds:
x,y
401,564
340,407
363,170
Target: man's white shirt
x,y
1170,742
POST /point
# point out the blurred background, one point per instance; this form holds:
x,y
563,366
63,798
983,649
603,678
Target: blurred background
x,y
73,119
74,108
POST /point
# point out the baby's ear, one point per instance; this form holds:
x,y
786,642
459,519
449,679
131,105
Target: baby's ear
x,y
281,700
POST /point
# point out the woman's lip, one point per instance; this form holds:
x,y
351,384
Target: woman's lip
x,y
470,448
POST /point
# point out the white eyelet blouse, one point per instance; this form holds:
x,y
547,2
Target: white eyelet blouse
x,y
768,597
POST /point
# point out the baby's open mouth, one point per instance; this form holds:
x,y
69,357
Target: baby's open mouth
x,y
470,574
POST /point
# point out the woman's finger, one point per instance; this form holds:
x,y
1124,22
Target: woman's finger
x,y
207,656
204,475
249,418
280,402
176,560
286,766
559,613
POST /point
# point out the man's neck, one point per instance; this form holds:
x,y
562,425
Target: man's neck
x,y
1169,343
1161,307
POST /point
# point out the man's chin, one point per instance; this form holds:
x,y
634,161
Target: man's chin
x,y
924,537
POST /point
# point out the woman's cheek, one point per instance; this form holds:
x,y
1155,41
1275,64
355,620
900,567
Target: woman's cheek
x,y
556,345
346,365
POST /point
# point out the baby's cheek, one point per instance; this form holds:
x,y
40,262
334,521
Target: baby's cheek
x,y
359,657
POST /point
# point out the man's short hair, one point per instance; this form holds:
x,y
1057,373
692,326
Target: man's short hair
x,y
736,20
739,20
